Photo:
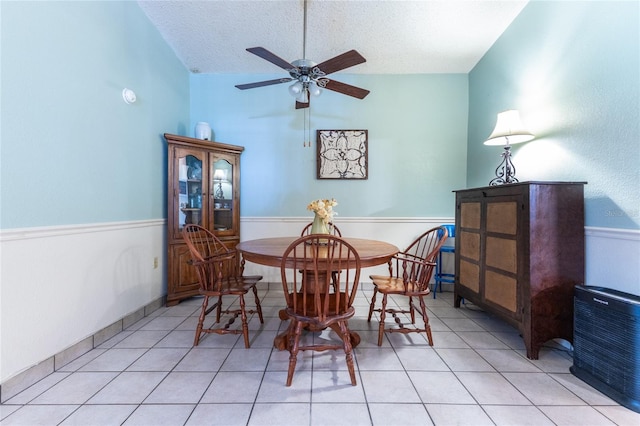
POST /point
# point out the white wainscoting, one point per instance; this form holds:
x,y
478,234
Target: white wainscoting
x,y
612,258
60,285
398,231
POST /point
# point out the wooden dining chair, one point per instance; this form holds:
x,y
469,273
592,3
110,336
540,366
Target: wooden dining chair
x,y
312,302
334,230
219,275
409,274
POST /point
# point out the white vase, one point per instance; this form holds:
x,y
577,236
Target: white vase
x,y
203,131
318,226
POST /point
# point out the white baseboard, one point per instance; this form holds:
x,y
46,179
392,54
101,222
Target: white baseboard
x,y
34,374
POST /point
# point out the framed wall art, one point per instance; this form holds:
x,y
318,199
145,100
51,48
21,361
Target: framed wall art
x,y
342,154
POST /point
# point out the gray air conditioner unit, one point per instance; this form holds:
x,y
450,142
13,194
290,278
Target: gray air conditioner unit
x,y
606,343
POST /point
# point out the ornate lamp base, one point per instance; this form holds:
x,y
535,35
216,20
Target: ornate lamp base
x,y
506,171
219,194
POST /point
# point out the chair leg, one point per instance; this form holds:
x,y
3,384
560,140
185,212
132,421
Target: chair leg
x,y
412,310
219,310
258,306
294,342
425,318
245,325
348,350
334,281
438,275
383,314
205,302
373,304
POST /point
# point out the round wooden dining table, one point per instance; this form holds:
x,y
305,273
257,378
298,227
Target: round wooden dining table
x,y
269,252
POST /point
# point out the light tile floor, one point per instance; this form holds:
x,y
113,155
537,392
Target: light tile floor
x,y
475,374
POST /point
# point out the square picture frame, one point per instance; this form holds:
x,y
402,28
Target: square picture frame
x,y
342,154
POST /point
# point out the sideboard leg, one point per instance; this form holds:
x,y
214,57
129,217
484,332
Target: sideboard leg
x,y
456,301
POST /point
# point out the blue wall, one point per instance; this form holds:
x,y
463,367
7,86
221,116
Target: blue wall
x,y
72,151
417,142
573,71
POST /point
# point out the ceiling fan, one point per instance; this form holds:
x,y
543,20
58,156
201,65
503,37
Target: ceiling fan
x,y
310,78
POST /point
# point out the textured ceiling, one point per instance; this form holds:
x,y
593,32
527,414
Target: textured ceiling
x,y
395,36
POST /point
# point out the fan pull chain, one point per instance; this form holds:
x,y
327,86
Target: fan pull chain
x,y
307,128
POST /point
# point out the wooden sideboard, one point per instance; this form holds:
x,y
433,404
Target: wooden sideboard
x,y
519,254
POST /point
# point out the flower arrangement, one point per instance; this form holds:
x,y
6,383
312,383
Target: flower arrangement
x,y
324,209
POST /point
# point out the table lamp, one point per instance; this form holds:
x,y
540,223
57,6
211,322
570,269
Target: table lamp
x,y
509,130
219,175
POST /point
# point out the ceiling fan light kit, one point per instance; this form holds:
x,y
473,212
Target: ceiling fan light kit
x,y
314,89
295,89
310,78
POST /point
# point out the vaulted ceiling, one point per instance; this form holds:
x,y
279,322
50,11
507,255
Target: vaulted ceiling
x,y
395,36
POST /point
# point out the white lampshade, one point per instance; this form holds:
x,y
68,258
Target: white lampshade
x,y
509,130
314,89
303,97
220,174
295,89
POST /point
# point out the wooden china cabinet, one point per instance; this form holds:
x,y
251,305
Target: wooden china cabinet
x,y
204,189
520,253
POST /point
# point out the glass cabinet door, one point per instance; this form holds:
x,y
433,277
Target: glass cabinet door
x,y
190,197
222,184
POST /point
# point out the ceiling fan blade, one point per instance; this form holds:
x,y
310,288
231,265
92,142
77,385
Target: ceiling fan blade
x,y
300,105
268,56
346,89
340,62
262,83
